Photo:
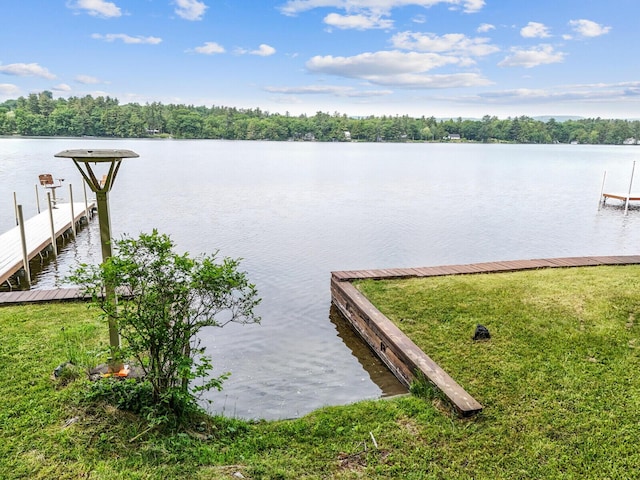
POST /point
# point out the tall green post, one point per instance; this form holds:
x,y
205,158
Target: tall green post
x,y
110,161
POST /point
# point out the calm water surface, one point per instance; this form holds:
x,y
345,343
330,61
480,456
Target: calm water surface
x,y
296,211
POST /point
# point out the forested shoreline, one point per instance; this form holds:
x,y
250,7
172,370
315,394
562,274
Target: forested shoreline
x,y
42,115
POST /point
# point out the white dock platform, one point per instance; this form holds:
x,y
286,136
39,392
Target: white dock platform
x,y
38,233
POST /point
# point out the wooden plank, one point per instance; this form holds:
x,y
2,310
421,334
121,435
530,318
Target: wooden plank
x,y
622,196
487,267
396,350
40,296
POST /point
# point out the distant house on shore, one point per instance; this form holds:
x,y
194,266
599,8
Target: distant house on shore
x,y
453,136
630,141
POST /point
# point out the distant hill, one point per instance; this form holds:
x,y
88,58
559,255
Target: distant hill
x,y
557,118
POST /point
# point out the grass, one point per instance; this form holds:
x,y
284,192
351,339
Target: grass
x,y
559,377
559,382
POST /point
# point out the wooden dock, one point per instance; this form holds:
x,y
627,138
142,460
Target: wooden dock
x,y
19,297
623,197
39,234
488,267
403,357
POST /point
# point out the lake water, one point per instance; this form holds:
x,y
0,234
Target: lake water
x,y
296,211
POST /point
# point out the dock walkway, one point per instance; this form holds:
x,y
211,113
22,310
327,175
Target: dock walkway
x,y
19,297
38,233
487,267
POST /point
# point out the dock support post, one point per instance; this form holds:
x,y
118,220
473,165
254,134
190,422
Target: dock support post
x,y
37,199
73,216
626,206
54,246
15,207
86,204
23,239
602,198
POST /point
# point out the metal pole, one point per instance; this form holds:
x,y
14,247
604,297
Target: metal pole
x,y
86,205
104,221
23,239
626,207
54,246
37,199
15,206
73,217
602,199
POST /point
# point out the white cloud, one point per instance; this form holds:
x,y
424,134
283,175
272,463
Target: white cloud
x,y
485,27
333,90
622,92
472,6
357,22
61,87
383,7
190,9
394,68
457,43
8,89
112,37
26,70
535,30
371,14
540,55
588,28
209,48
87,80
378,63
264,50
416,81
96,8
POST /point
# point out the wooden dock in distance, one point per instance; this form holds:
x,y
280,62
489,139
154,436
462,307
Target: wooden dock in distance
x,y
39,234
620,196
403,357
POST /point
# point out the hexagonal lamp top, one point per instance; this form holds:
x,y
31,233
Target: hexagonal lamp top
x,y
98,155
86,157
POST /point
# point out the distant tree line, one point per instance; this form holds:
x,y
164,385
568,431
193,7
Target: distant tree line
x,y
42,115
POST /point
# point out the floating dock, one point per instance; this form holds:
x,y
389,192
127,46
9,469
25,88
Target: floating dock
x,y
40,232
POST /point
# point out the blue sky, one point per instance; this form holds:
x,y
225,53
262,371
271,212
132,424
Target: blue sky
x,y
445,58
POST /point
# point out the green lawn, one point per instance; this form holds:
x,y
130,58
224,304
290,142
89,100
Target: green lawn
x,y
559,382
559,379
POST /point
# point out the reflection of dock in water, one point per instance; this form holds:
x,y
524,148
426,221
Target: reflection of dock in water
x,y
377,370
